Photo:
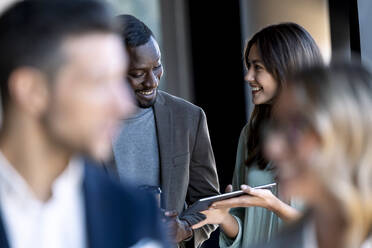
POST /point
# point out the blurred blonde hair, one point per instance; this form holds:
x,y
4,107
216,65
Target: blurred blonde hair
x,y
337,100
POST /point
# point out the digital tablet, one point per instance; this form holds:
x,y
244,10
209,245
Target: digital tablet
x,y
205,203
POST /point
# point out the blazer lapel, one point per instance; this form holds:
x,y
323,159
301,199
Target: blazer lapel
x,y
164,128
96,216
3,239
111,168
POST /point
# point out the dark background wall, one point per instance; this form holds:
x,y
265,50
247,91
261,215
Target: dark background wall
x,y
218,79
218,76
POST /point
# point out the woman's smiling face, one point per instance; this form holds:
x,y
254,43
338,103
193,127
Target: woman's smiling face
x,y
263,84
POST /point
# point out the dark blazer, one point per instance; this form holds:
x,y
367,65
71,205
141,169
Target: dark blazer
x,y
116,217
188,169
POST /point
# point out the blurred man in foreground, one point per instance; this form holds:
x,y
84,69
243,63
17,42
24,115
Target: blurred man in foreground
x,y
61,72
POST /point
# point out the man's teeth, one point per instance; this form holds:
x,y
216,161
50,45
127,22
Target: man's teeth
x,y
256,88
146,92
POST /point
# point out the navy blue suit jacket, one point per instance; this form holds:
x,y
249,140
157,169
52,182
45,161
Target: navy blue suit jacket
x,y
116,216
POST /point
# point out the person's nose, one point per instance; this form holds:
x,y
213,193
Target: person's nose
x,y
152,80
275,147
250,75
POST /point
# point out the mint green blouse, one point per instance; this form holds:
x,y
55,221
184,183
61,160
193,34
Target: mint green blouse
x,y
256,224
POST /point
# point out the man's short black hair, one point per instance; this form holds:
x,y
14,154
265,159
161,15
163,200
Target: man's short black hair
x,y
31,33
133,32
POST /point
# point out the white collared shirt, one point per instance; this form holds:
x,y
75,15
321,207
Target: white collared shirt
x,y
57,223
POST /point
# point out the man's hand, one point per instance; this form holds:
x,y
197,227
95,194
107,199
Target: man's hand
x,y
178,230
215,216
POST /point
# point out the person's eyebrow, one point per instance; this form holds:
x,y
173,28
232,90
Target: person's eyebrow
x,y
142,67
255,61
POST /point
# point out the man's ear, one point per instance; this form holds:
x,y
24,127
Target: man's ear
x,y
28,89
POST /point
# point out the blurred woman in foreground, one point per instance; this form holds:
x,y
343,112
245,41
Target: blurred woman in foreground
x,y
321,142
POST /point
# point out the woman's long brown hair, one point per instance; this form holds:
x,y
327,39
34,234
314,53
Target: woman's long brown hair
x,y
284,48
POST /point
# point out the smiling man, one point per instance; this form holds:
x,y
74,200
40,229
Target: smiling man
x,y
166,144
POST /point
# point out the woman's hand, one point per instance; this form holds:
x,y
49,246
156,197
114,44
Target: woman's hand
x,y
254,198
259,198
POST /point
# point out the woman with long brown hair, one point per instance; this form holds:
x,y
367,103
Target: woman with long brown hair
x,y
269,56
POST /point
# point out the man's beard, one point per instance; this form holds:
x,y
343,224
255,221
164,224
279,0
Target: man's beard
x,y
148,104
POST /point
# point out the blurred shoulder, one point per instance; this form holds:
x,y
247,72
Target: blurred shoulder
x,y
96,179
124,214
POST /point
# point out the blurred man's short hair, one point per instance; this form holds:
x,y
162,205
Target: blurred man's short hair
x,y
31,33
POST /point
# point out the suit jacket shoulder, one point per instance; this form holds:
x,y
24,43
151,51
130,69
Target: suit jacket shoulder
x,y
117,216
177,105
179,119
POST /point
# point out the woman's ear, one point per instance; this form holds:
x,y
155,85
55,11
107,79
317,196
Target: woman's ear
x,y
29,90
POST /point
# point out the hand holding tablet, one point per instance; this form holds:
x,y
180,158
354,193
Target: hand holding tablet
x,y
205,203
